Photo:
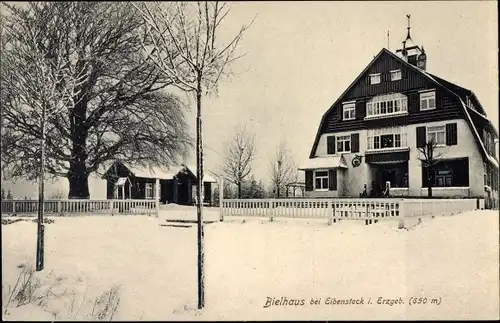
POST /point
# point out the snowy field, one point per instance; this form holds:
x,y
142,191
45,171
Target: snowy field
x,y
452,262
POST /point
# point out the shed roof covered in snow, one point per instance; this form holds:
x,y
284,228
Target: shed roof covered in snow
x,y
162,172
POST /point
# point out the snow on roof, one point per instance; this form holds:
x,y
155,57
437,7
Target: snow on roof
x,y
121,181
206,177
154,172
493,161
157,172
323,162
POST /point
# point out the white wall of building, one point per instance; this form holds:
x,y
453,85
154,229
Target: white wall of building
x,y
466,147
353,179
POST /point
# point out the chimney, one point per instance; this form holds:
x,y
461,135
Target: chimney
x,y
422,60
404,52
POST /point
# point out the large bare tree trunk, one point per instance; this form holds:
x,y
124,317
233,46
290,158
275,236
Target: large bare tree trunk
x,y
199,206
78,183
77,175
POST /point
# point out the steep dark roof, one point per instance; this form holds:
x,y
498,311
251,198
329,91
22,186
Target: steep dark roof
x,y
460,92
318,133
464,93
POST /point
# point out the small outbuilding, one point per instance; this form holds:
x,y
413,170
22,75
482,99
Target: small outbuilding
x,y
177,184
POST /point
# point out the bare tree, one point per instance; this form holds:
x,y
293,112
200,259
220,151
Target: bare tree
x,y
239,155
89,59
186,49
38,85
429,158
284,170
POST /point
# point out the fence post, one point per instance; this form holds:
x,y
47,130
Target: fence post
x,y
157,197
221,199
402,211
111,206
271,210
59,207
368,215
330,211
13,207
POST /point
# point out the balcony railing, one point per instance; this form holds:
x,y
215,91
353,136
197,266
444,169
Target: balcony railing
x,y
380,141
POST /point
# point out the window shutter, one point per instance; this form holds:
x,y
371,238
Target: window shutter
x,y
309,180
340,112
413,102
360,110
330,145
451,134
355,143
332,179
439,99
421,137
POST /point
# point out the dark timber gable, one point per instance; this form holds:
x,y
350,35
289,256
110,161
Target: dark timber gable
x,y
413,80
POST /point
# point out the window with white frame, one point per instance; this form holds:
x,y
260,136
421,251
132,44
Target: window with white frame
x,y
387,105
321,180
375,78
395,75
386,138
437,134
343,144
427,100
349,111
149,191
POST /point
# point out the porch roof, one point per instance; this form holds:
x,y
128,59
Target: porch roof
x,y
153,172
156,172
121,181
324,162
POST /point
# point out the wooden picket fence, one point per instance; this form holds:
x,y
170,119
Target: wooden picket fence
x,y
80,207
368,210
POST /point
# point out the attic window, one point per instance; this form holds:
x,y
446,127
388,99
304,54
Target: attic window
x,y
427,100
375,78
386,106
395,75
349,111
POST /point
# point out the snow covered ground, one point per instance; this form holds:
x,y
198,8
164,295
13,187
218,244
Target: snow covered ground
x,y
449,260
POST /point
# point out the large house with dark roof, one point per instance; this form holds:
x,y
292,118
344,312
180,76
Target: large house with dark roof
x,y
371,135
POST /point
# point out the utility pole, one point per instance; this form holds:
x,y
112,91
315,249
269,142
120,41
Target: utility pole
x,y
40,226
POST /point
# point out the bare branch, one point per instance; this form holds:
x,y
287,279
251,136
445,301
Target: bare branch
x,y
184,42
83,63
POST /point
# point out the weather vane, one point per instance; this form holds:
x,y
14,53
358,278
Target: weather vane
x,y
409,26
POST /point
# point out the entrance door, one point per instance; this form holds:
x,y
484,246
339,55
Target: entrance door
x,y
388,175
183,192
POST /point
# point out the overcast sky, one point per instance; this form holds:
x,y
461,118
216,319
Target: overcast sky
x,y
300,56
